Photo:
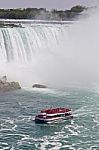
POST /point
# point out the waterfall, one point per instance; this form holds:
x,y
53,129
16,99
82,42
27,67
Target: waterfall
x,y
22,44
27,54
51,54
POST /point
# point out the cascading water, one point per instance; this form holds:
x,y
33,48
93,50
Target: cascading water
x,y
21,44
52,54
24,51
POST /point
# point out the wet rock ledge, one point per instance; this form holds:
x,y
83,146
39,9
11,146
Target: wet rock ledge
x,y
39,86
8,86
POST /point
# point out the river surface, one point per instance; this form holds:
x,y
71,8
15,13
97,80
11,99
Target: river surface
x,y
18,130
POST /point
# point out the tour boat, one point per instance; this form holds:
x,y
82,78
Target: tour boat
x,y
53,114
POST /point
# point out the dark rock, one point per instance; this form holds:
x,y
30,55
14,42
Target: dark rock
x,y
39,86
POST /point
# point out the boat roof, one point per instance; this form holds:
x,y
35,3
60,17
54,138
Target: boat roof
x,y
55,110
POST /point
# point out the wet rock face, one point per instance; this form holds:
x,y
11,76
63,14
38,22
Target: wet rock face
x,y
9,86
39,86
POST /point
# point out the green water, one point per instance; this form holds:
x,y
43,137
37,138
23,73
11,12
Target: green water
x,y
18,130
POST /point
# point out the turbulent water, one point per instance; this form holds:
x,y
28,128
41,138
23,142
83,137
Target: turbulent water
x,y
18,130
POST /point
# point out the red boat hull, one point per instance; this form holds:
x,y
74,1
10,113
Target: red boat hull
x,y
55,119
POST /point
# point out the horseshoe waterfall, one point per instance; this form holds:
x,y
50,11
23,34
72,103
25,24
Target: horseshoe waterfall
x,y
32,53
52,54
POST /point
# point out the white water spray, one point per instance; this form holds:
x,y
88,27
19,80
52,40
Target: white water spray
x,y
55,55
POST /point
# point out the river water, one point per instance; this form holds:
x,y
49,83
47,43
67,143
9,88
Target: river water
x,y
18,130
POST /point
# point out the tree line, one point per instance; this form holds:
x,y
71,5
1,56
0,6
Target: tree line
x,y
41,13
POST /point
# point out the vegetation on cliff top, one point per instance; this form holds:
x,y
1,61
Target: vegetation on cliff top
x,y
41,13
